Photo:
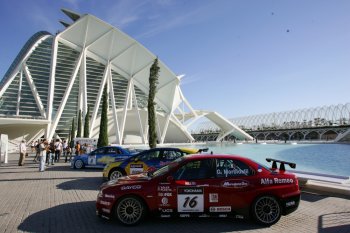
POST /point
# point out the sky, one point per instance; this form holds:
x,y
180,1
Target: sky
x,y
239,57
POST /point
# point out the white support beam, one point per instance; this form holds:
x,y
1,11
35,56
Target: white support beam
x,y
114,108
19,92
82,101
98,99
51,85
34,91
165,129
138,114
65,97
126,103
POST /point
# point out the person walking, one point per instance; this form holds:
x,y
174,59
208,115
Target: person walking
x,y
37,150
64,148
68,153
58,150
77,148
22,152
42,155
50,150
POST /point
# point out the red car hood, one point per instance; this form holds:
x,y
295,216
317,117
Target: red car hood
x,y
127,180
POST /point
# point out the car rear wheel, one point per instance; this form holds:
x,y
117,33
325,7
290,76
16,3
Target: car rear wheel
x,y
266,210
115,174
130,210
78,164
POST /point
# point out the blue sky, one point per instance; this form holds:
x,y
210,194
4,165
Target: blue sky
x,y
239,57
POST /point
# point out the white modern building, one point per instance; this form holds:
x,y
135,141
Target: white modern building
x,y
54,76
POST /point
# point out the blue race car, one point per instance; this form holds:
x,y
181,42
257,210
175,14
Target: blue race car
x,y
100,157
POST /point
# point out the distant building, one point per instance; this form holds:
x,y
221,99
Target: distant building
x,y
55,76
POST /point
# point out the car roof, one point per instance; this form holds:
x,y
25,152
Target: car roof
x,y
220,156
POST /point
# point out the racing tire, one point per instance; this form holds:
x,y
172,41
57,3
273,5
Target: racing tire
x,y
130,210
115,174
266,210
78,164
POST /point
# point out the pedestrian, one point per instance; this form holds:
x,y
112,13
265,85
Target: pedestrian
x,y
58,150
42,155
50,150
77,149
22,152
33,146
64,148
69,153
37,149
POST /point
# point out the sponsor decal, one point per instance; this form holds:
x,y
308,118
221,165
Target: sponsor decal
x,y
276,181
213,197
184,215
164,188
290,203
106,159
222,215
131,187
166,210
220,209
165,215
204,216
109,196
239,216
165,194
190,199
136,168
106,210
165,201
235,183
107,203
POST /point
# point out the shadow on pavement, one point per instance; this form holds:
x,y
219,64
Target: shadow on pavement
x,y
312,197
85,183
334,222
80,217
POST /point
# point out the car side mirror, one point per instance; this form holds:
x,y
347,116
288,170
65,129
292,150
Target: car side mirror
x,y
135,159
170,179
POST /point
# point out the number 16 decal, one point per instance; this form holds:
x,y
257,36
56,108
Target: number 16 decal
x,y
190,199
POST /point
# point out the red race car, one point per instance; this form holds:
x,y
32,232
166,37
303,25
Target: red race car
x,y
204,186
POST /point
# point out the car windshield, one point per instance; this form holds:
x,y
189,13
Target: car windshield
x,y
167,168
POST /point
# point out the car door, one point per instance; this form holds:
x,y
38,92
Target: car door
x,y
235,182
143,162
94,156
109,155
190,191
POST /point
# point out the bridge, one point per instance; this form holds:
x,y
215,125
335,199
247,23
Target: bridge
x,y
320,123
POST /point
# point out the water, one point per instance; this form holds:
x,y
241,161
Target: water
x,y
333,159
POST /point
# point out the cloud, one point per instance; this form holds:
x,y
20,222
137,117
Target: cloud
x,y
186,80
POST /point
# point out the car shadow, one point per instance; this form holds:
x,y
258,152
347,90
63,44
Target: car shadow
x,y
85,183
80,217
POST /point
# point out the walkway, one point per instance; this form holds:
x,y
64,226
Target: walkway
x,y
63,200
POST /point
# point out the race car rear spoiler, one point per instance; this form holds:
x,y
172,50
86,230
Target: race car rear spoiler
x,y
282,167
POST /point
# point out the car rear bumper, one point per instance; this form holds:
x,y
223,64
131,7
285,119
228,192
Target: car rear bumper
x,y
290,204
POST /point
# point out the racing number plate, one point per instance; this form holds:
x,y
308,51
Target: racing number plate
x,y
190,199
92,160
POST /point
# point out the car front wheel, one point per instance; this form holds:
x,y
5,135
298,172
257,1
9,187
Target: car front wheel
x,y
78,164
115,174
130,210
266,210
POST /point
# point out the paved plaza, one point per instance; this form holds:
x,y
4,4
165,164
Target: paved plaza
x,y
63,200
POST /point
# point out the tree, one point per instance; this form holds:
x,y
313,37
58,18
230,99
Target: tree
x,y
72,132
153,81
87,124
79,125
103,136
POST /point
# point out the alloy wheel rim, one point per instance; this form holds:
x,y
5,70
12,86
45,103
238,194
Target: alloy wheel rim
x,y
130,211
267,210
78,164
115,175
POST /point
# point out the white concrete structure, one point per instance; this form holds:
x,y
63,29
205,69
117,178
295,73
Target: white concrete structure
x,y
55,76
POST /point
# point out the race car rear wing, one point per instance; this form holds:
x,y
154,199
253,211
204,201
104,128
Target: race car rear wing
x,y
282,167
